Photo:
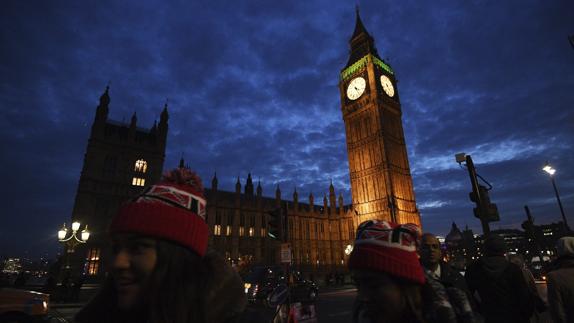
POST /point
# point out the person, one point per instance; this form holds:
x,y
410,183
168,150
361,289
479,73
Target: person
x,y
540,305
503,295
391,283
561,282
431,260
161,270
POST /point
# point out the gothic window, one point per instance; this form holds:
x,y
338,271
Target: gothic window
x,y
140,166
93,261
217,230
137,181
263,232
241,231
228,230
251,231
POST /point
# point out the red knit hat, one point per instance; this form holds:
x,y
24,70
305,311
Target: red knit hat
x,y
388,247
173,209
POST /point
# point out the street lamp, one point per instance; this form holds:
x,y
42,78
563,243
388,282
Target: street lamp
x,y
551,171
73,240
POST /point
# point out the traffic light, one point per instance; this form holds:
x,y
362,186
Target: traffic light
x,y
274,225
528,227
484,210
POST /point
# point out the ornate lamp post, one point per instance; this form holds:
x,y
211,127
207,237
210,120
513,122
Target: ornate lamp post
x,y
72,241
551,171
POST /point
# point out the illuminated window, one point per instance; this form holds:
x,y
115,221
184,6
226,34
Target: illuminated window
x,y
93,261
263,232
241,231
228,230
136,181
217,230
140,166
251,231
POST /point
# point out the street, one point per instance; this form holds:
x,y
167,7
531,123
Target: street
x,y
333,305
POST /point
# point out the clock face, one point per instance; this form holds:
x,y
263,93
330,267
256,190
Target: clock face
x,y
356,88
387,86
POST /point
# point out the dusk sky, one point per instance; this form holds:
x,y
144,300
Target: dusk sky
x,y
253,87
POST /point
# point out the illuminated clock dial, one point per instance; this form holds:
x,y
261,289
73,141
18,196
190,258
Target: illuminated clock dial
x,y
387,86
356,88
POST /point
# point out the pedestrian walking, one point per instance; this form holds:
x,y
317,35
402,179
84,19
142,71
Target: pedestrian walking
x,y
539,304
561,282
503,295
391,283
161,270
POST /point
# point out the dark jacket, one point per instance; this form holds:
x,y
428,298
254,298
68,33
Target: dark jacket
x,y
561,290
503,292
449,277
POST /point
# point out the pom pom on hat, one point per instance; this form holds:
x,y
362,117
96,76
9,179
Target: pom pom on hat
x,y
173,209
388,247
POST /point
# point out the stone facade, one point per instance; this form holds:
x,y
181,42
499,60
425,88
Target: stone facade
x,y
120,160
318,234
381,182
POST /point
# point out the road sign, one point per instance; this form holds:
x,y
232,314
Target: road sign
x,y
285,253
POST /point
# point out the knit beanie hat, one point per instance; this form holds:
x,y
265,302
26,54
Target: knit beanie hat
x,y
494,245
565,246
388,247
173,209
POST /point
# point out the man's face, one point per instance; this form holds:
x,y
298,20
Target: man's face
x,y
379,297
430,250
134,259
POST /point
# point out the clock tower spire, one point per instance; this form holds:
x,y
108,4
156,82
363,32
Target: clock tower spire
x,y
381,183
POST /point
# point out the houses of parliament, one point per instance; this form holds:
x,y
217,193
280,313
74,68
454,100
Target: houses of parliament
x,y
121,159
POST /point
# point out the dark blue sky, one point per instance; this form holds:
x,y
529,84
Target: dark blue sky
x,y
252,87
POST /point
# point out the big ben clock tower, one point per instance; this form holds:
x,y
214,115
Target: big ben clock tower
x,y
381,183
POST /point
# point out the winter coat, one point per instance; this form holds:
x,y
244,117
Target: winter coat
x,y
504,294
561,290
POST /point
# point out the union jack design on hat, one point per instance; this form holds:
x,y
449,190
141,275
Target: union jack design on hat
x,y
173,209
175,197
388,247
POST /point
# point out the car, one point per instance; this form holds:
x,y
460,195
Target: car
x,y
267,285
18,305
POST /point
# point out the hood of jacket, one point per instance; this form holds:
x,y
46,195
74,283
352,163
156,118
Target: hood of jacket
x,y
494,266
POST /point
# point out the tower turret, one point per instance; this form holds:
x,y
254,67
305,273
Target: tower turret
x,y
278,196
296,200
238,186
332,197
103,108
249,185
214,182
311,202
162,126
259,189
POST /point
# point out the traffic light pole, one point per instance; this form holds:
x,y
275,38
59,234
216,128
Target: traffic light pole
x,y
533,235
476,191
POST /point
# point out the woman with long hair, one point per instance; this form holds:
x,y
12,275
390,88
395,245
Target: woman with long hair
x,y
161,270
391,283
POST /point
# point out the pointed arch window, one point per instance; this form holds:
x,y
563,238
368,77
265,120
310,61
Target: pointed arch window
x,y
140,166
